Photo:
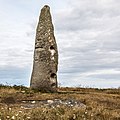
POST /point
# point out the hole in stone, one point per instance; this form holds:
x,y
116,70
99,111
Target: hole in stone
x,y
53,75
36,47
51,48
53,84
53,80
52,51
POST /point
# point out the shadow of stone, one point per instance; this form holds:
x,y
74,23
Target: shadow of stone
x,y
8,100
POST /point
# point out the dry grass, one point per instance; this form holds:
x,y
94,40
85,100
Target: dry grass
x,y
103,104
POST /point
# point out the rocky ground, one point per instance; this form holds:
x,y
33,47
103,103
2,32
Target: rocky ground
x,y
52,103
21,103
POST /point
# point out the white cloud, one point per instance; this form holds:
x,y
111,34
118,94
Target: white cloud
x,y
89,37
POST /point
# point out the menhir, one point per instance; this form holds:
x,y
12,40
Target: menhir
x,y
45,64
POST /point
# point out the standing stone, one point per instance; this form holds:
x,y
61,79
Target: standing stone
x,y
44,74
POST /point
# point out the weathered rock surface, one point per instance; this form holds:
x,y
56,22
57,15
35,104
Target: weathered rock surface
x,y
53,103
44,74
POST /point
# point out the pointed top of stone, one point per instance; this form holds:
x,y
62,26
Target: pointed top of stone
x,y
45,14
46,6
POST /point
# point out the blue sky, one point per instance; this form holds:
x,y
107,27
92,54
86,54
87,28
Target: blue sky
x,y
87,34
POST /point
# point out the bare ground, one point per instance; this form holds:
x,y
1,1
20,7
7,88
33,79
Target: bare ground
x,y
21,103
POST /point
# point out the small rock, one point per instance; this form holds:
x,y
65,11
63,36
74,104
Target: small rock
x,y
13,117
74,116
28,117
22,107
20,111
86,112
58,105
10,109
50,101
8,117
22,91
16,114
33,102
